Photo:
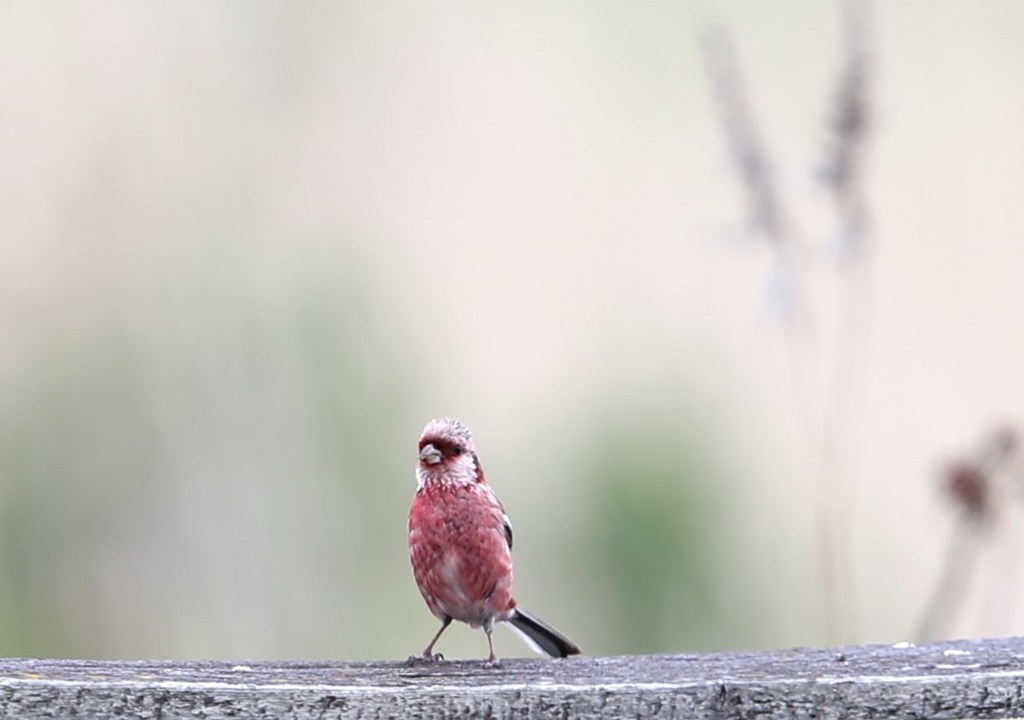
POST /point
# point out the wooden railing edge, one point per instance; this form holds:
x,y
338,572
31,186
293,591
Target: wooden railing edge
x,y
961,679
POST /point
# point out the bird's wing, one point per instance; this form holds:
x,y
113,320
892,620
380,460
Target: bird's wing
x,y
508,528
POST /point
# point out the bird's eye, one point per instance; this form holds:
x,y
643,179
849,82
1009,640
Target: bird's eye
x,y
458,450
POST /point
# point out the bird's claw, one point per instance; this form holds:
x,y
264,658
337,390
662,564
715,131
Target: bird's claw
x,y
424,659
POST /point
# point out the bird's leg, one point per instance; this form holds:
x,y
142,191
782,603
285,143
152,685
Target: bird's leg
x,y
492,659
428,654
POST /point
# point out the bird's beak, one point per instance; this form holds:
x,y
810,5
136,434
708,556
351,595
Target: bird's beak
x,y
430,455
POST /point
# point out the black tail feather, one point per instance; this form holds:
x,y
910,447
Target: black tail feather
x,y
545,637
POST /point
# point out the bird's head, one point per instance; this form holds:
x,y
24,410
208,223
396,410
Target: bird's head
x,y
447,453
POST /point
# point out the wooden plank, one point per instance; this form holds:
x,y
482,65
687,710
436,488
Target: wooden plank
x,y
964,679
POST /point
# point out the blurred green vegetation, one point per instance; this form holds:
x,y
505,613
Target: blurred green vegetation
x,y
649,527
160,497
248,497
78,463
648,542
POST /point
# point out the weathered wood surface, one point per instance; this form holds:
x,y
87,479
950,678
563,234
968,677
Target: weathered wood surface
x,y
965,679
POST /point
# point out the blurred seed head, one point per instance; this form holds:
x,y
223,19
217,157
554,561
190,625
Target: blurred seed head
x,y
969,487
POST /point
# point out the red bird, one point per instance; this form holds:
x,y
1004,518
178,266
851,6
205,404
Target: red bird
x,y
460,543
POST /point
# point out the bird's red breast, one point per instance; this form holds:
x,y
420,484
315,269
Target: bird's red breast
x,y
460,553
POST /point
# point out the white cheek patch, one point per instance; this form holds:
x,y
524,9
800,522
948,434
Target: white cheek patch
x,y
462,471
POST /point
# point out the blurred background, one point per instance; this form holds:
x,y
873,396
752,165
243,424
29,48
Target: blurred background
x,y
247,250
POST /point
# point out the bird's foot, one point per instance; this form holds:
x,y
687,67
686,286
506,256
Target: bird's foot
x,y
424,659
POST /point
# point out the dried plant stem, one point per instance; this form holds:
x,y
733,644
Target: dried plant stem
x,y
949,593
824,393
842,434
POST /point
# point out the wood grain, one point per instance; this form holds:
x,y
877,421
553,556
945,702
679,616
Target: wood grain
x,y
964,679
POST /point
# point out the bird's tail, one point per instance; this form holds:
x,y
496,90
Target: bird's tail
x,y
541,637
